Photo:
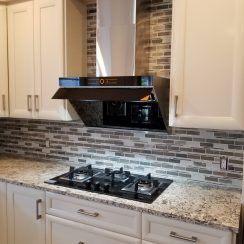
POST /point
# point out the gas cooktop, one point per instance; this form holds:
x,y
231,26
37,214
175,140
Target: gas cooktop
x,y
111,182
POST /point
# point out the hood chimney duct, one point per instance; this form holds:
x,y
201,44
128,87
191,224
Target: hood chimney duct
x,y
122,34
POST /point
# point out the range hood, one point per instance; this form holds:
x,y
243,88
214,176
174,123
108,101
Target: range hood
x,y
122,60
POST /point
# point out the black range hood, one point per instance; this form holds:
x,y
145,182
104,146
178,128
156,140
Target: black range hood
x,y
117,88
122,65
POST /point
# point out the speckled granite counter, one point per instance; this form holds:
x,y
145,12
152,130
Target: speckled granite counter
x,y
190,202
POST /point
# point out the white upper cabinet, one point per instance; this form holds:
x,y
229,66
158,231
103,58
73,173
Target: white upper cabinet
x,y
44,39
207,76
49,56
21,59
4,111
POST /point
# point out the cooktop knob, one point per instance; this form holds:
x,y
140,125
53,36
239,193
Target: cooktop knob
x,y
106,187
155,183
88,184
97,186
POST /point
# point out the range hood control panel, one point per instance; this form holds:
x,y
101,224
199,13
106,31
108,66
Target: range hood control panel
x,y
106,81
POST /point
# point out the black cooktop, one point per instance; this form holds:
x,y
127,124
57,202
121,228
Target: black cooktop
x,y
111,182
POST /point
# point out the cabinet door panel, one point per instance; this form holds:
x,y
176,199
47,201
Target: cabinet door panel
x,y
207,66
49,57
3,63
61,231
24,206
169,231
21,59
67,207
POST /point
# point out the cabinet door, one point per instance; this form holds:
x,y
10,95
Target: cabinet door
x,y
207,73
26,215
49,57
21,59
3,213
61,231
3,63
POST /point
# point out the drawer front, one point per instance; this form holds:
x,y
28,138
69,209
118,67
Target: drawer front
x,y
168,231
60,231
115,219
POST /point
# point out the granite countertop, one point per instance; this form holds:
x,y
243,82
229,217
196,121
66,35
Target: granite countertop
x,y
189,202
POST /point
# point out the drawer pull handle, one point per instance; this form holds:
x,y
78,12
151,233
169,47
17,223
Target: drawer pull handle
x,y
37,103
4,102
82,211
38,216
185,238
176,105
29,103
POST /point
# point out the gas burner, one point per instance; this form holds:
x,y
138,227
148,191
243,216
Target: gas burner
x,y
79,176
144,185
115,175
118,183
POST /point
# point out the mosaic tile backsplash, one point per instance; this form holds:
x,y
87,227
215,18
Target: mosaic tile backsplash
x,y
191,154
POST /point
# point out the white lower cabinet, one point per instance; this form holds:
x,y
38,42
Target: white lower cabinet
x,y
30,216
77,221
162,230
119,220
62,231
26,215
3,213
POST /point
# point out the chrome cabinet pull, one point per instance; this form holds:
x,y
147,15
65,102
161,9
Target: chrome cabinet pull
x,y
29,103
38,216
4,102
36,99
176,105
185,238
82,211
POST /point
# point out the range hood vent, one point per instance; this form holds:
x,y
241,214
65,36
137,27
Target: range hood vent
x,y
117,88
